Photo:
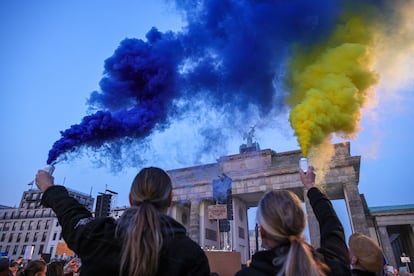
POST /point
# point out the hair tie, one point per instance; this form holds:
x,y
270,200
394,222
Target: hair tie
x,y
292,238
138,203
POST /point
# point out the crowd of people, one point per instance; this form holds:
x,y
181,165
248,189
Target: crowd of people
x,y
59,267
146,241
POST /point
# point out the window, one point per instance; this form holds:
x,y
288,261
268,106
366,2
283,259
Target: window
x,y
16,247
38,225
3,237
19,236
14,225
31,225
44,237
40,249
26,239
22,225
11,237
54,236
51,250
6,226
7,248
47,225
35,237
23,249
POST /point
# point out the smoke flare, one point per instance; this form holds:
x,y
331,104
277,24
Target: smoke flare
x,y
228,54
231,55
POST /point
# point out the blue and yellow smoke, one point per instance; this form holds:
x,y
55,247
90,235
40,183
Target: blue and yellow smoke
x,y
228,56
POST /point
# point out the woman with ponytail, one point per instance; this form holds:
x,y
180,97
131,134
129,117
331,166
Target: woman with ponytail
x,y
282,221
144,241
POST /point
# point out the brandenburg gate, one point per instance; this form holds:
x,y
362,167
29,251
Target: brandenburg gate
x,y
251,174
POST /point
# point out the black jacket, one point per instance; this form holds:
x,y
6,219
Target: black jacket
x,y
358,272
333,250
95,242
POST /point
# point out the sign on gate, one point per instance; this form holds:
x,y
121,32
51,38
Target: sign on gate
x,y
218,211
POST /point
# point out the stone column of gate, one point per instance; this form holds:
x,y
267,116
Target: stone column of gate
x,y
313,225
412,236
355,208
194,229
386,245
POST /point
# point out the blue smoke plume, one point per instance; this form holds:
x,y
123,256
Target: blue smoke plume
x,y
229,54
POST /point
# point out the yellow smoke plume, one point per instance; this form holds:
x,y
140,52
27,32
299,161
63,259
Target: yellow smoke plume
x,y
320,157
330,84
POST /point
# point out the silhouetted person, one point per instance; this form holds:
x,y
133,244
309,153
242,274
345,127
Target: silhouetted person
x,y
35,268
13,267
4,267
365,255
55,268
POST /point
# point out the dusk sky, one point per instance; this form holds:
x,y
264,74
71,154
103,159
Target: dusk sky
x,y
52,58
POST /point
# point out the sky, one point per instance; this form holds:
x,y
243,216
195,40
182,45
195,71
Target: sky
x,y
55,54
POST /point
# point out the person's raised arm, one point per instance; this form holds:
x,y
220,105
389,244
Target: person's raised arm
x,y
44,180
68,210
332,244
308,178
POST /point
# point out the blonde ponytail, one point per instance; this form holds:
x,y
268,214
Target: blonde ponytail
x,y
281,216
300,261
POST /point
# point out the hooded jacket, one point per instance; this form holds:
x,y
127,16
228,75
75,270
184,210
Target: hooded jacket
x,y
95,240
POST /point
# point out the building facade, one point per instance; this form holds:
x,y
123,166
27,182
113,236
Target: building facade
x,y
33,231
393,227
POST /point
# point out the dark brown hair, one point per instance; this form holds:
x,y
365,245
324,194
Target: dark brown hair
x,y
34,267
150,196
